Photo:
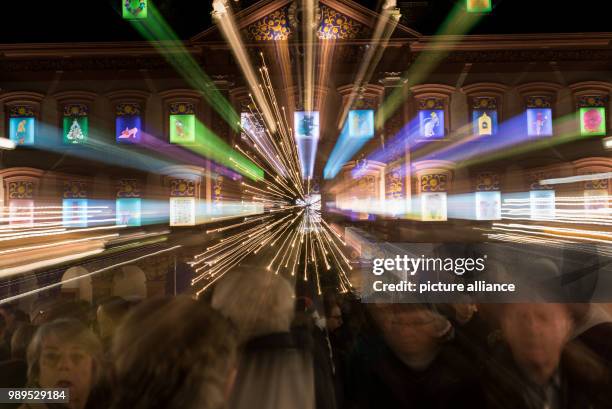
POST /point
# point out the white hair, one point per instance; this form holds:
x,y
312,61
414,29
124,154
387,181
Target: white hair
x,y
258,302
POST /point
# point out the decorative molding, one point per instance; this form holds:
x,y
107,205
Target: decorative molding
x,y
487,181
75,189
181,108
182,188
335,25
21,97
434,182
128,188
600,88
484,103
128,109
547,90
485,89
432,90
74,110
586,101
21,111
21,189
272,27
84,97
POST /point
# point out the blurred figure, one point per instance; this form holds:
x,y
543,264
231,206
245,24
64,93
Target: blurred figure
x,y
172,353
536,369
65,354
412,363
273,371
7,312
5,346
109,314
14,371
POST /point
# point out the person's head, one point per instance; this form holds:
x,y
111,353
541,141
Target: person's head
x,y
412,331
21,339
65,354
536,335
2,326
172,353
257,302
109,314
463,312
333,317
7,311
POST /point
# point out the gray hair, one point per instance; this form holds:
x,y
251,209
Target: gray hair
x,y
65,330
257,302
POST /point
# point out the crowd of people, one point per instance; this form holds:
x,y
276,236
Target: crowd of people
x,y
252,342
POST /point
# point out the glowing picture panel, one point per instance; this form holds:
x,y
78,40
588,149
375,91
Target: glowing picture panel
x,y
433,207
485,122
182,211
76,129
74,212
361,123
21,212
542,204
134,9
592,121
306,125
596,200
128,211
182,128
479,6
539,122
21,130
431,123
488,205
128,129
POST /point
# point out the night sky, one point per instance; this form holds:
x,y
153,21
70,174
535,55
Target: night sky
x,y
100,20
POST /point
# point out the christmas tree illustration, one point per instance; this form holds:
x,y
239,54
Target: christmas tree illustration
x,y
75,133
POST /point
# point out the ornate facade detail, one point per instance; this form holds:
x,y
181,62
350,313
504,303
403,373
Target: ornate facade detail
x,y
434,182
487,181
538,102
75,189
217,189
533,179
182,188
17,111
181,108
128,188
592,101
599,184
127,109
274,26
337,26
21,190
430,103
74,110
484,103
394,183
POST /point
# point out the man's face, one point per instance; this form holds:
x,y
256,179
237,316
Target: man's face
x,y
66,365
408,331
334,320
536,334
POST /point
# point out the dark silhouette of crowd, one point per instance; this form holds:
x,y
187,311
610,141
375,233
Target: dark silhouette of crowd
x,y
252,342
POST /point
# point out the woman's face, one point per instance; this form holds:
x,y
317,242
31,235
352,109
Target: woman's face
x,y
66,365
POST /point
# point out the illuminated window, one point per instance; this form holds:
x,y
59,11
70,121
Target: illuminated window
x,y
76,124
128,124
539,122
479,6
592,121
306,126
22,124
134,9
128,211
